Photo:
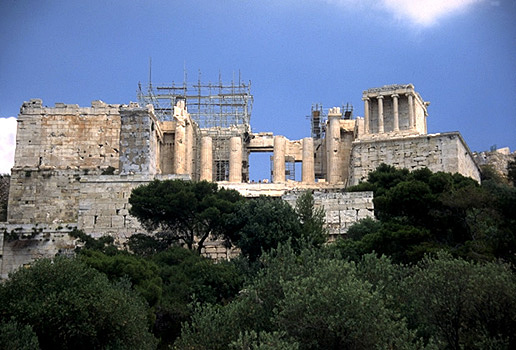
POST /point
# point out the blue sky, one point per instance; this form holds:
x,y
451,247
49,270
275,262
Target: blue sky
x,y
459,54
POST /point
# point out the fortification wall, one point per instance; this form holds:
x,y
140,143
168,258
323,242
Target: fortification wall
x,y
342,209
67,136
55,146
22,244
139,145
439,152
43,196
104,204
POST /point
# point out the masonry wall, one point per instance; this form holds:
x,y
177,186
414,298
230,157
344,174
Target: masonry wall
x,y
139,146
55,146
104,204
342,209
33,242
439,152
67,136
43,196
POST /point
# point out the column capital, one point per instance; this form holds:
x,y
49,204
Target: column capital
x,y
366,98
395,95
380,97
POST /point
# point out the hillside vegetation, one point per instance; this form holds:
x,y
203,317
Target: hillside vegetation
x,y
435,270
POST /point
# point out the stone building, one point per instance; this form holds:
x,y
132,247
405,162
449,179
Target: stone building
x,y
76,166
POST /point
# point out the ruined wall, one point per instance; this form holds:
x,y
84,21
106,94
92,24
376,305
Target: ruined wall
x,y
439,152
498,160
342,209
22,244
104,204
67,136
55,146
43,196
139,146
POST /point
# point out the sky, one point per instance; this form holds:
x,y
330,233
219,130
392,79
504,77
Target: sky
x,y
459,54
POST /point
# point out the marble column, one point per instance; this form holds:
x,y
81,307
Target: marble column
x,y
395,111
332,148
380,114
180,149
235,159
206,159
366,115
411,111
278,159
308,167
189,149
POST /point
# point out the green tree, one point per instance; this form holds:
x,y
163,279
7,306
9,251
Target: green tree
x,y
14,336
188,278
263,341
421,212
70,305
143,274
263,223
184,211
310,299
312,219
333,308
462,304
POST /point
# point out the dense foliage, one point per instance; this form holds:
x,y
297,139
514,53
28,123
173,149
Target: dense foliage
x,y
68,305
319,300
421,212
184,211
433,271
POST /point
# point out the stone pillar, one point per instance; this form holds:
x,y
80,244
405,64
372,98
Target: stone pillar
x,y
332,146
180,149
235,159
395,112
411,111
189,136
278,159
206,159
366,115
380,114
308,168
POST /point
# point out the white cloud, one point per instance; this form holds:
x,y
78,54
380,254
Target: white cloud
x,y
7,144
426,12
418,12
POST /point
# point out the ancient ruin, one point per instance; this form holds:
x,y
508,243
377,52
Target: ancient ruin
x,y
76,166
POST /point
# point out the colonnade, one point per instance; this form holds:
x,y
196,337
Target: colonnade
x,y
235,159
395,112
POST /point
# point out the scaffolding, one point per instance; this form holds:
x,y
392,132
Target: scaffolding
x,y
211,105
220,111
318,121
319,116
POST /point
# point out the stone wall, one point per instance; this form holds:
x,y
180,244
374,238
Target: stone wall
x,y
104,204
32,242
55,146
43,196
497,159
67,136
139,134
439,152
342,209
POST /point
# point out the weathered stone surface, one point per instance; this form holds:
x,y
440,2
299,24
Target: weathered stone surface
x,y
34,242
439,152
497,159
341,208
